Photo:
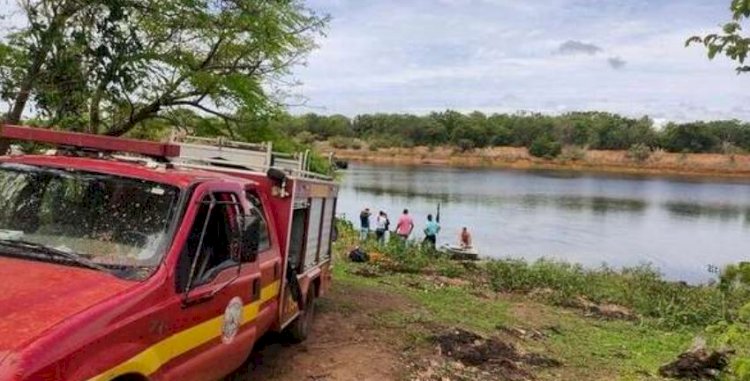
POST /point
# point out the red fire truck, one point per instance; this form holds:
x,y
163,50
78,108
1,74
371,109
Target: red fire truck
x,y
123,259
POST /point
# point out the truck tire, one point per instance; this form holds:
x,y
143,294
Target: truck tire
x,y
300,328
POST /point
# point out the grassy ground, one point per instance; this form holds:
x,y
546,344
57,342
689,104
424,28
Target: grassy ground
x,y
589,348
391,319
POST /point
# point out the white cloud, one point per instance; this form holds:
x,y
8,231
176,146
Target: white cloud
x,y
418,56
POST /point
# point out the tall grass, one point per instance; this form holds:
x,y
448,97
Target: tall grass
x,y
641,288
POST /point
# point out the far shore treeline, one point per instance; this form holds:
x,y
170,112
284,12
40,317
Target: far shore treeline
x,y
543,134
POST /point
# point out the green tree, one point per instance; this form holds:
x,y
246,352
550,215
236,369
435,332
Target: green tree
x,y
112,65
730,41
691,137
546,147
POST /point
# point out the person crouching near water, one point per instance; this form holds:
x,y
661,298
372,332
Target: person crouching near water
x,y
405,225
431,231
464,238
364,224
382,224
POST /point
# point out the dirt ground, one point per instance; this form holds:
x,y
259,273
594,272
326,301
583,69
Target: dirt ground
x,y
347,343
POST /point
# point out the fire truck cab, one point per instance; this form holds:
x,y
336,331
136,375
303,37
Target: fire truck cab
x,y
123,259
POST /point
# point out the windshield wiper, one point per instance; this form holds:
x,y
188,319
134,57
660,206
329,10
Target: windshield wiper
x,y
52,252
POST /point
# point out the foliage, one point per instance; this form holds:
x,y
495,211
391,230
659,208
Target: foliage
x,y
465,145
730,41
545,147
666,304
109,66
573,153
341,142
639,152
641,288
305,137
593,130
734,331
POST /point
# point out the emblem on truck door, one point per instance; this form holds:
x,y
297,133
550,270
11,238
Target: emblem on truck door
x,y
232,320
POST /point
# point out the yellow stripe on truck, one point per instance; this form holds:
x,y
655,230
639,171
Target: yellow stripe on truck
x,y
154,357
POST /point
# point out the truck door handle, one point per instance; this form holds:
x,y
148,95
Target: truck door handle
x,y
276,270
256,289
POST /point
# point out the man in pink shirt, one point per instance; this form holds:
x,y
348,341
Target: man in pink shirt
x,y
405,225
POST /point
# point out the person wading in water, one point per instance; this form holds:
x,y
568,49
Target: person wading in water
x,y
464,238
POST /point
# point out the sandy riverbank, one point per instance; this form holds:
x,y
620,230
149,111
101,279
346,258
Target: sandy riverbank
x,y
659,163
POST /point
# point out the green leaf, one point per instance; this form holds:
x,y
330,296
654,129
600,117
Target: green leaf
x,y
693,39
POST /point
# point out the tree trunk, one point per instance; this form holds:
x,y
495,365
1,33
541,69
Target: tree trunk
x,y
94,114
24,92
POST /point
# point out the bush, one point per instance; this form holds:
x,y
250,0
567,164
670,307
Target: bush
x,y
573,153
408,143
734,331
341,142
305,137
639,152
729,148
465,145
640,288
545,147
381,142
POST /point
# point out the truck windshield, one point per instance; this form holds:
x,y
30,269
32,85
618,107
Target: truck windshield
x,y
109,221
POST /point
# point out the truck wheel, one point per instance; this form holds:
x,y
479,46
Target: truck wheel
x,y
300,328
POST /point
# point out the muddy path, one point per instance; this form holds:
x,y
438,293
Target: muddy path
x,y
347,343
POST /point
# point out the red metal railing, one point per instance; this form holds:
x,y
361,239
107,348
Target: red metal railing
x,y
90,141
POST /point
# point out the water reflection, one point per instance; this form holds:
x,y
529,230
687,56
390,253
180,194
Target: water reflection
x,y
594,204
679,226
695,210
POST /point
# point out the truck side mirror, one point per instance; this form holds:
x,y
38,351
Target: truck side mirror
x,y
250,238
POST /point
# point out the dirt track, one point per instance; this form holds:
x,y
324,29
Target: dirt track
x,y
347,343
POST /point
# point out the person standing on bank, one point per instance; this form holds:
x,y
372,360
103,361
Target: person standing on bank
x,y
431,230
381,226
405,225
364,224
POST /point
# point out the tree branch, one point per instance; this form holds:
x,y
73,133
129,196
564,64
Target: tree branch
x,y
203,108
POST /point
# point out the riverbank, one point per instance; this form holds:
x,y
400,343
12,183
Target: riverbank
x,y
407,315
657,163
579,324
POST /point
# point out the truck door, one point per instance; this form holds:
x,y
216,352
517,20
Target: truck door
x,y
269,258
219,288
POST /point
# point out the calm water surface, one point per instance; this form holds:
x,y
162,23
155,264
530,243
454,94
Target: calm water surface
x,y
678,225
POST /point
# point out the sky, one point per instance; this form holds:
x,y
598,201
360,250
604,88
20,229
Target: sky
x,y
551,56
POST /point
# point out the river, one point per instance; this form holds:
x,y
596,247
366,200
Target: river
x,y
678,225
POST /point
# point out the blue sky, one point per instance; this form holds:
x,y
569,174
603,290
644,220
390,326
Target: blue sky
x,y
552,56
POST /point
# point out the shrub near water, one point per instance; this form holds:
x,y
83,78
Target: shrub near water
x,y
545,147
412,257
398,256
640,288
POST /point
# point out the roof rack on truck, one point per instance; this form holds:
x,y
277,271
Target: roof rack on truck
x,y
188,152
201,152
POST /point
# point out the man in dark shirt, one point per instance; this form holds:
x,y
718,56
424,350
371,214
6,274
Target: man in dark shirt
x,y
364,224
